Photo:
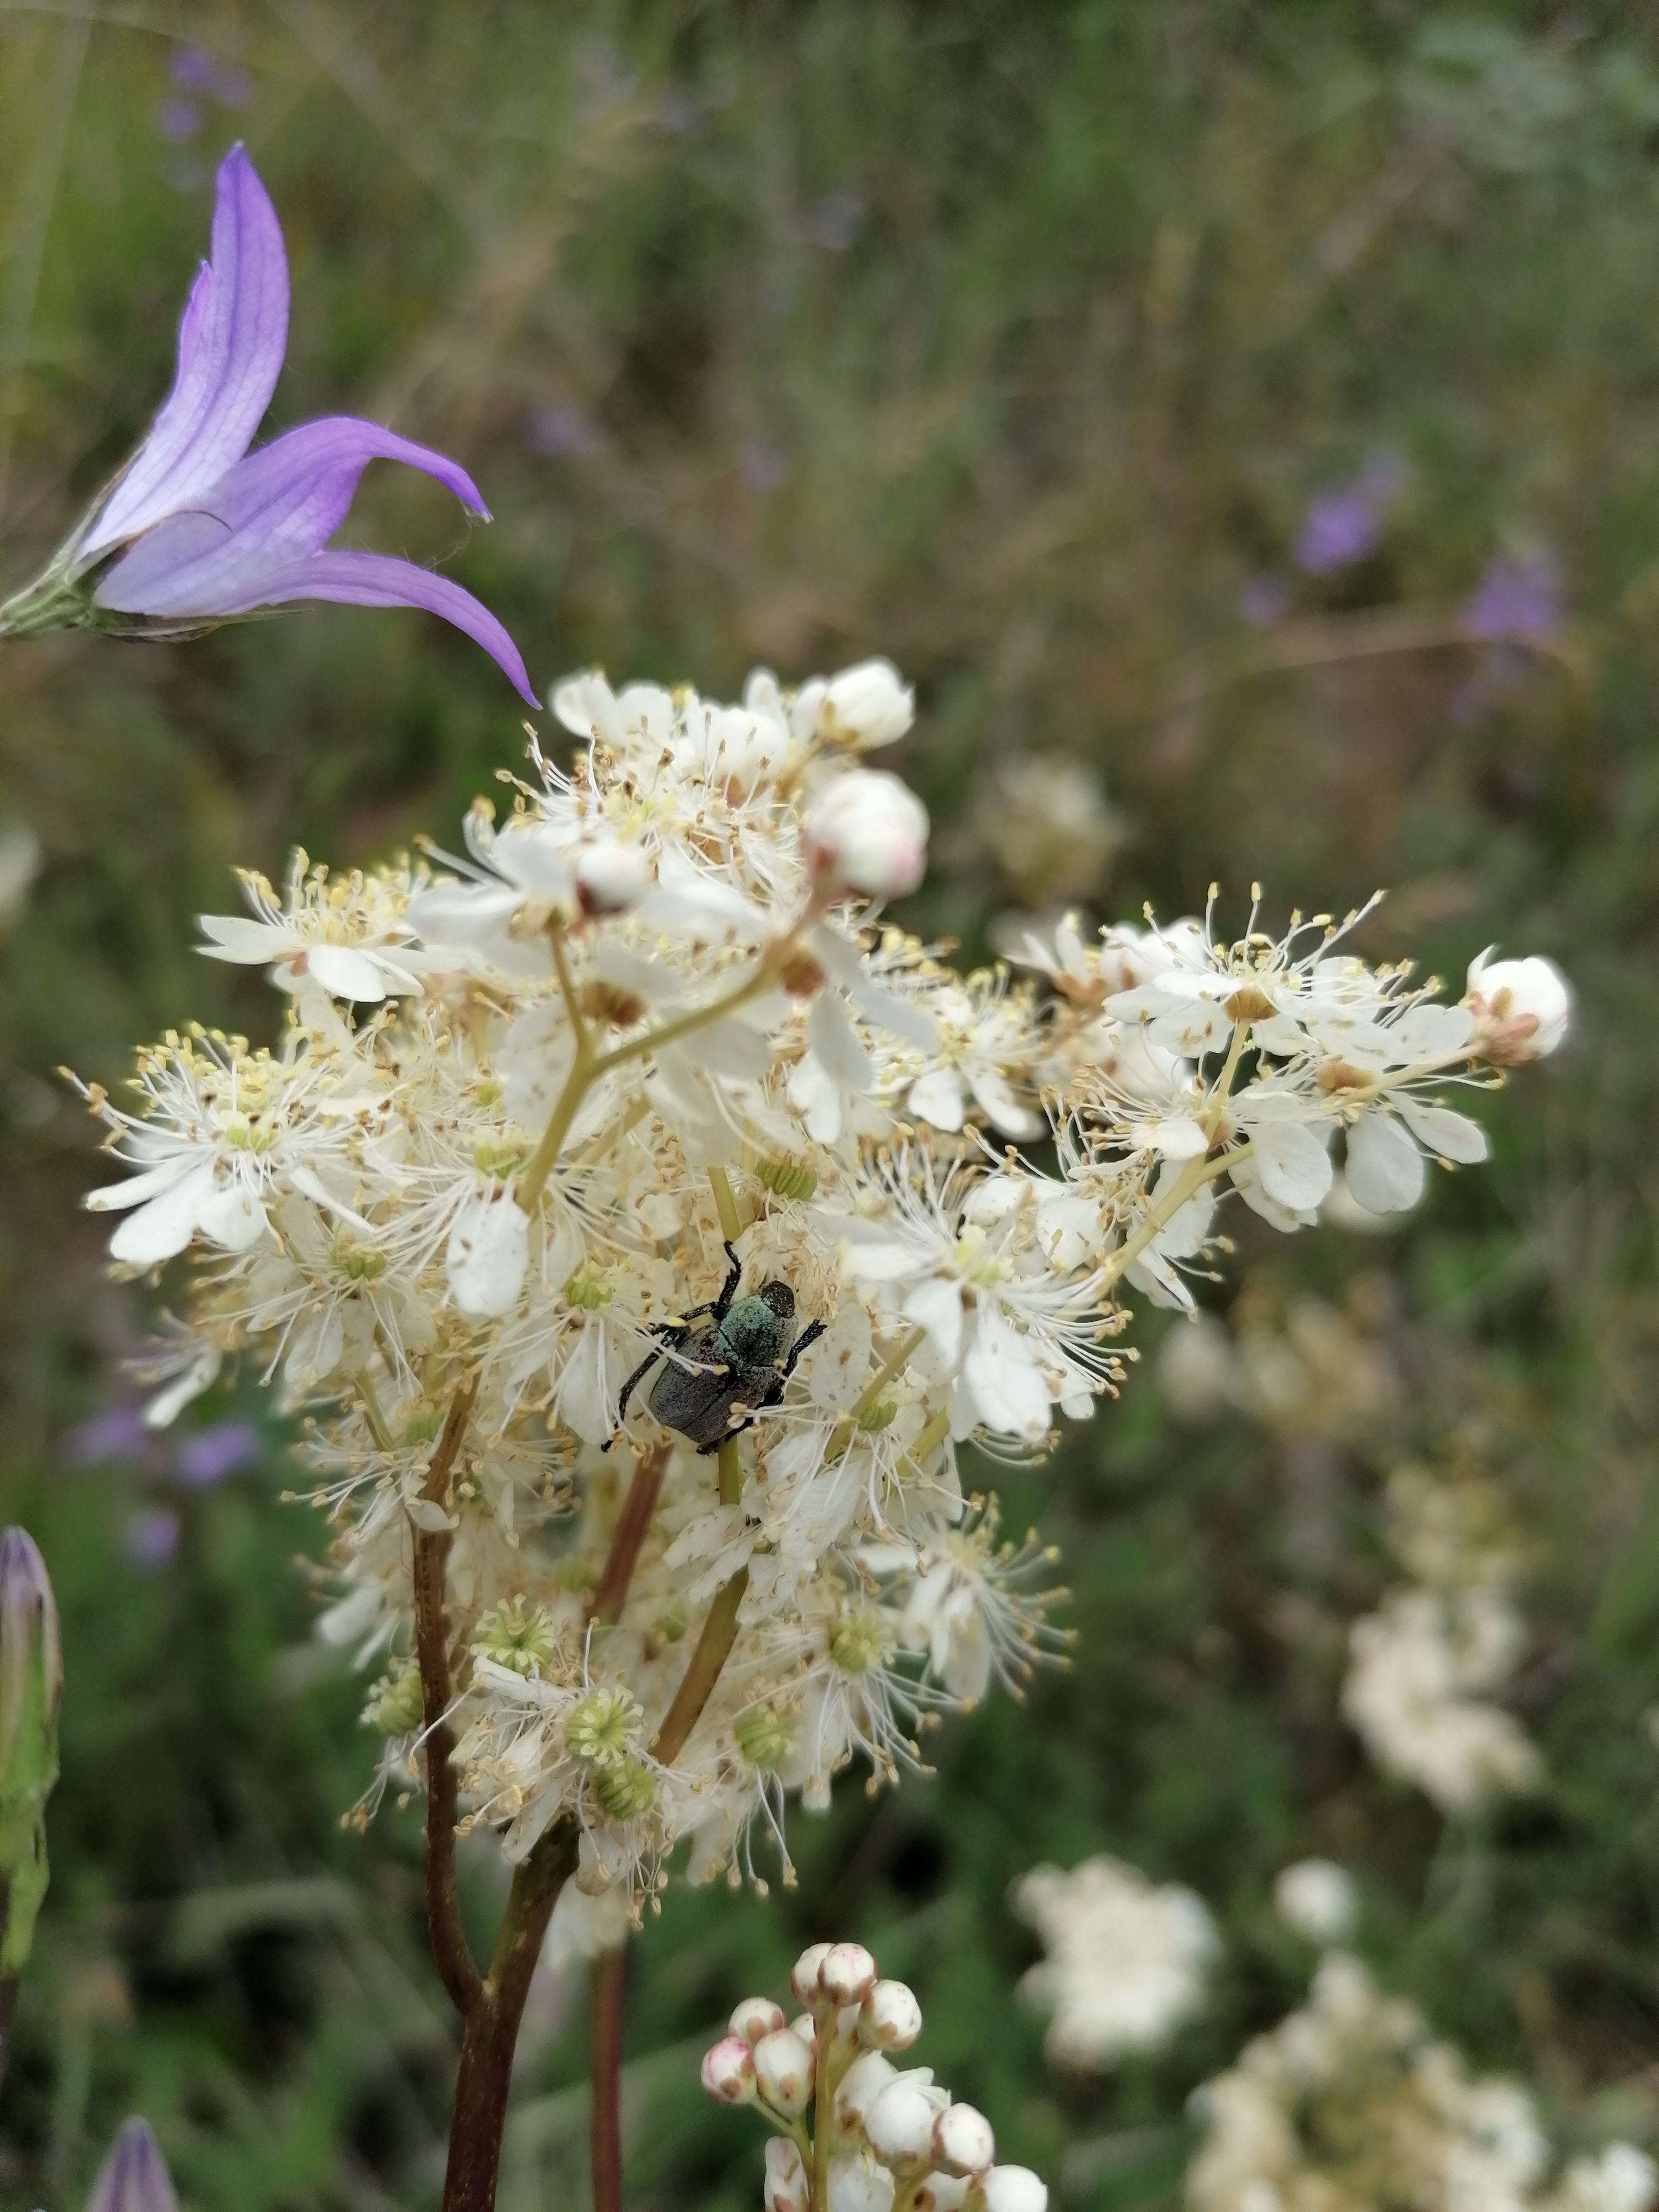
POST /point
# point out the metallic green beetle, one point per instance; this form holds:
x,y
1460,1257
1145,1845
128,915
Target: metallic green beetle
x,y
721,1357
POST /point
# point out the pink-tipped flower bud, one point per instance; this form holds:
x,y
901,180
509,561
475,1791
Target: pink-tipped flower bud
x,y
134,2177
1522,1008
1009,2189
848,1974
783,2071
728,2071
611,877
756,2017
865,831
941,2193
899,2124
803,1981
787,2188
890,2019
862,2084
963,2141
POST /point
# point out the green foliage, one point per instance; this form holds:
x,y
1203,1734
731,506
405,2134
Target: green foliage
x,y
1011,342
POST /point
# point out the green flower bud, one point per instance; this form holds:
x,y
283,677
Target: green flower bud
x,y
31,1693
856,1643
601,1731
627,1789
395,1705
765,1735
517,1634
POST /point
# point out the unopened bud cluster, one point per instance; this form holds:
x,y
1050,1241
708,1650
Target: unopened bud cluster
x,y
857,2133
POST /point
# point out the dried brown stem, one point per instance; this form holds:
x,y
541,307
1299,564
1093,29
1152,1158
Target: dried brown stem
x,y
611,1591
719,1633
605,2069
456,1968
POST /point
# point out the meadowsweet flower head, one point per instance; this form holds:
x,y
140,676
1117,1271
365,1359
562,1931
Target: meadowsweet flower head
x,y
641,1223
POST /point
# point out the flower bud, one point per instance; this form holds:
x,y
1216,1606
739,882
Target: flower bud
x,y
31,1693
848,1974
963,2141
941,2193
728,2071
865,705
900,2122
756,2017
1009,2189
783,2069
865,831
787,2188
803,1981
134,2177
1522,1008
859,2184
611,877
890,2019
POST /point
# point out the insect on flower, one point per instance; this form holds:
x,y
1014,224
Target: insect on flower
x,y
741,1357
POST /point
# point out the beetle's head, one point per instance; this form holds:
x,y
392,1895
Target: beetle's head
x,y
780,1298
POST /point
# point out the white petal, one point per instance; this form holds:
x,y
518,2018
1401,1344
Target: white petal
x,y
1451,1136
996,1096
816,1098
1009,1392
839,1363
489,1252
936,1306
232,1217
237,938
344,974
1294,1166
166,1225
833,1038
937,1097
137,1190
1385,1168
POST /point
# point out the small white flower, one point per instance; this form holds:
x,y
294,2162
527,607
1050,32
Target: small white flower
x,y
489,1252
1523,1008
865,706
1316,1896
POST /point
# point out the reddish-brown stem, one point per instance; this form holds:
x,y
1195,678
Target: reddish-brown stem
x,y
612,1590
604,2067
719,1633
492,2024
456,1969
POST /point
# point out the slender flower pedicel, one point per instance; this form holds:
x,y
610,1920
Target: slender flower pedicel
x,y
196,529
639,1217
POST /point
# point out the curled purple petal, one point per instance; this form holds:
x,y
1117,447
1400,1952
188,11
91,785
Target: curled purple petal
x,y
231,343
376,580
273,508
134,2177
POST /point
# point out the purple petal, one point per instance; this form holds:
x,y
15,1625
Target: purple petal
x,y
375,580
231,344
133,2178
117,1433
273,507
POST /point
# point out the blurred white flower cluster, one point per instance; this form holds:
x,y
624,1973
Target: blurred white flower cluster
x,y
635,1215
1423,1669
1351,2104
1127,1962
855,2133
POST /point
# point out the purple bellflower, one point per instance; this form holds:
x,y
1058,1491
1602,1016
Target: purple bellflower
x,y
195,529
134,2177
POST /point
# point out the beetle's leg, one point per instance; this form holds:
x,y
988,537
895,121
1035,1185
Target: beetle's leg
x,y
809,1334
664,1340
722,1304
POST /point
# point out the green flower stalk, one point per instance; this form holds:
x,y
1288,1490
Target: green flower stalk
x,y
31,1693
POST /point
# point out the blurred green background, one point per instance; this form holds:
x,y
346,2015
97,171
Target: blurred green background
x,y
1156,381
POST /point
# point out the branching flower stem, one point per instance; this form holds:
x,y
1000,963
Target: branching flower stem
x,y
719,1633
1192,1178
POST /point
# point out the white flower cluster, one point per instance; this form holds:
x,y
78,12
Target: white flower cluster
x,y
1351,2104
1423,1669
854,2132
1128,1963
626,1207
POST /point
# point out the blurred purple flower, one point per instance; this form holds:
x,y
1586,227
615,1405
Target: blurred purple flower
x,y
1262,600
559,428
192,68
178,120
1517,601
196,528
762,465
1342,525
134,2177
208,1456
152,1537
119,1432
